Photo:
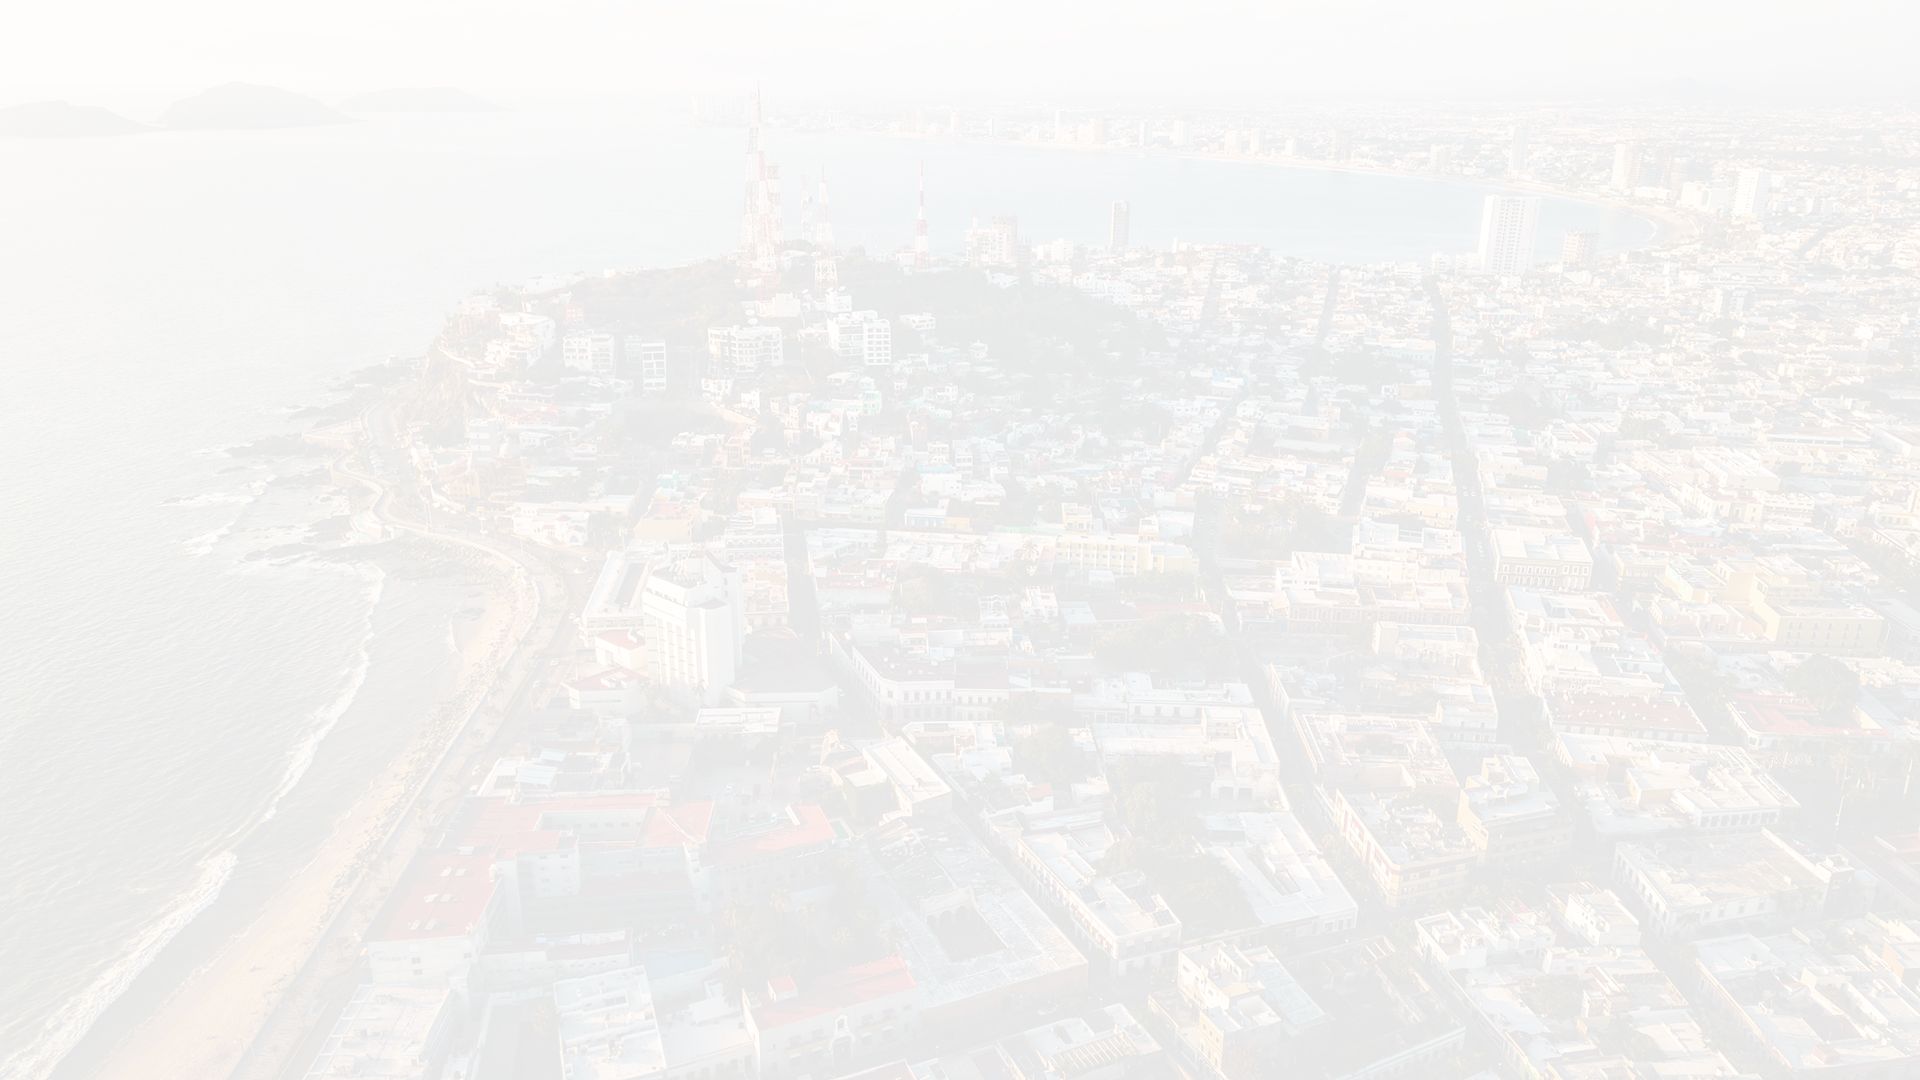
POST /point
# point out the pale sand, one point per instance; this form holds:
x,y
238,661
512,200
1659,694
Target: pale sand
x,y
228,1015
208,1022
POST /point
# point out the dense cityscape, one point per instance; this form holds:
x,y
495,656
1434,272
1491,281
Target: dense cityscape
x,y
1051,659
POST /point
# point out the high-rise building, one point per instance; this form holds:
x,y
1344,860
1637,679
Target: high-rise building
x,y
1517,152
1507,224
1626,166
1118,224
1578,250
1439,159
1750,194
1656,167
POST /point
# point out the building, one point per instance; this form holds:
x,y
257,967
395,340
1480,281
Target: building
x,y
1540,559
644,361
1579,250
1556,1012
1626,167
1594,914
437,922
1412,852
1120,918
1834,628
1646,787
1751,192
1839,999
1108,1043
1507,224
692,616
863,337
994,245
745,351
1118,226
1517,151
1238,1010
1290,888
1690,885
388,1033
589,352
607,1027
827,1023
1659,717
1216,731
915,786
1122,554
1510,815
980,947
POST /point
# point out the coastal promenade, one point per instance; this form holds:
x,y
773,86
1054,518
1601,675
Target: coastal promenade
x,y
252,1010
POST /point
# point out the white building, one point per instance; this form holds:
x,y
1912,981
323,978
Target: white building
x,y
1694,884
739,351
1750,194
694,621
1540,559
863,337
607,1027
1626,167
388,1033
1507,224
590,352
646,362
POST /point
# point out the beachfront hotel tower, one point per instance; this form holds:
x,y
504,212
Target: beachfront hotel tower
x,y
1507,224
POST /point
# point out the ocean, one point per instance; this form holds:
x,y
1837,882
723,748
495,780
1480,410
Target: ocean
x,y
186,704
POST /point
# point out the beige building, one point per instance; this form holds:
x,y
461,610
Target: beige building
x,y
1510,815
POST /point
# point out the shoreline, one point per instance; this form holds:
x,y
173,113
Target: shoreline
x,y
1672,226
281,965
225,1014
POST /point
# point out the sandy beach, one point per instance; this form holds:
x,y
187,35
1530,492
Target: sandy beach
x,y
258,1000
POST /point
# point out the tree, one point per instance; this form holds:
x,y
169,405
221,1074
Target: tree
x,y
1049,751
1829,684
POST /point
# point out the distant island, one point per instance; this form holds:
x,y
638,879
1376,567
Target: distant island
x,y
234,106
60,119
423,99
246,106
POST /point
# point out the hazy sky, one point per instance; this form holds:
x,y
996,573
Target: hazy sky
x,y
1204,48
